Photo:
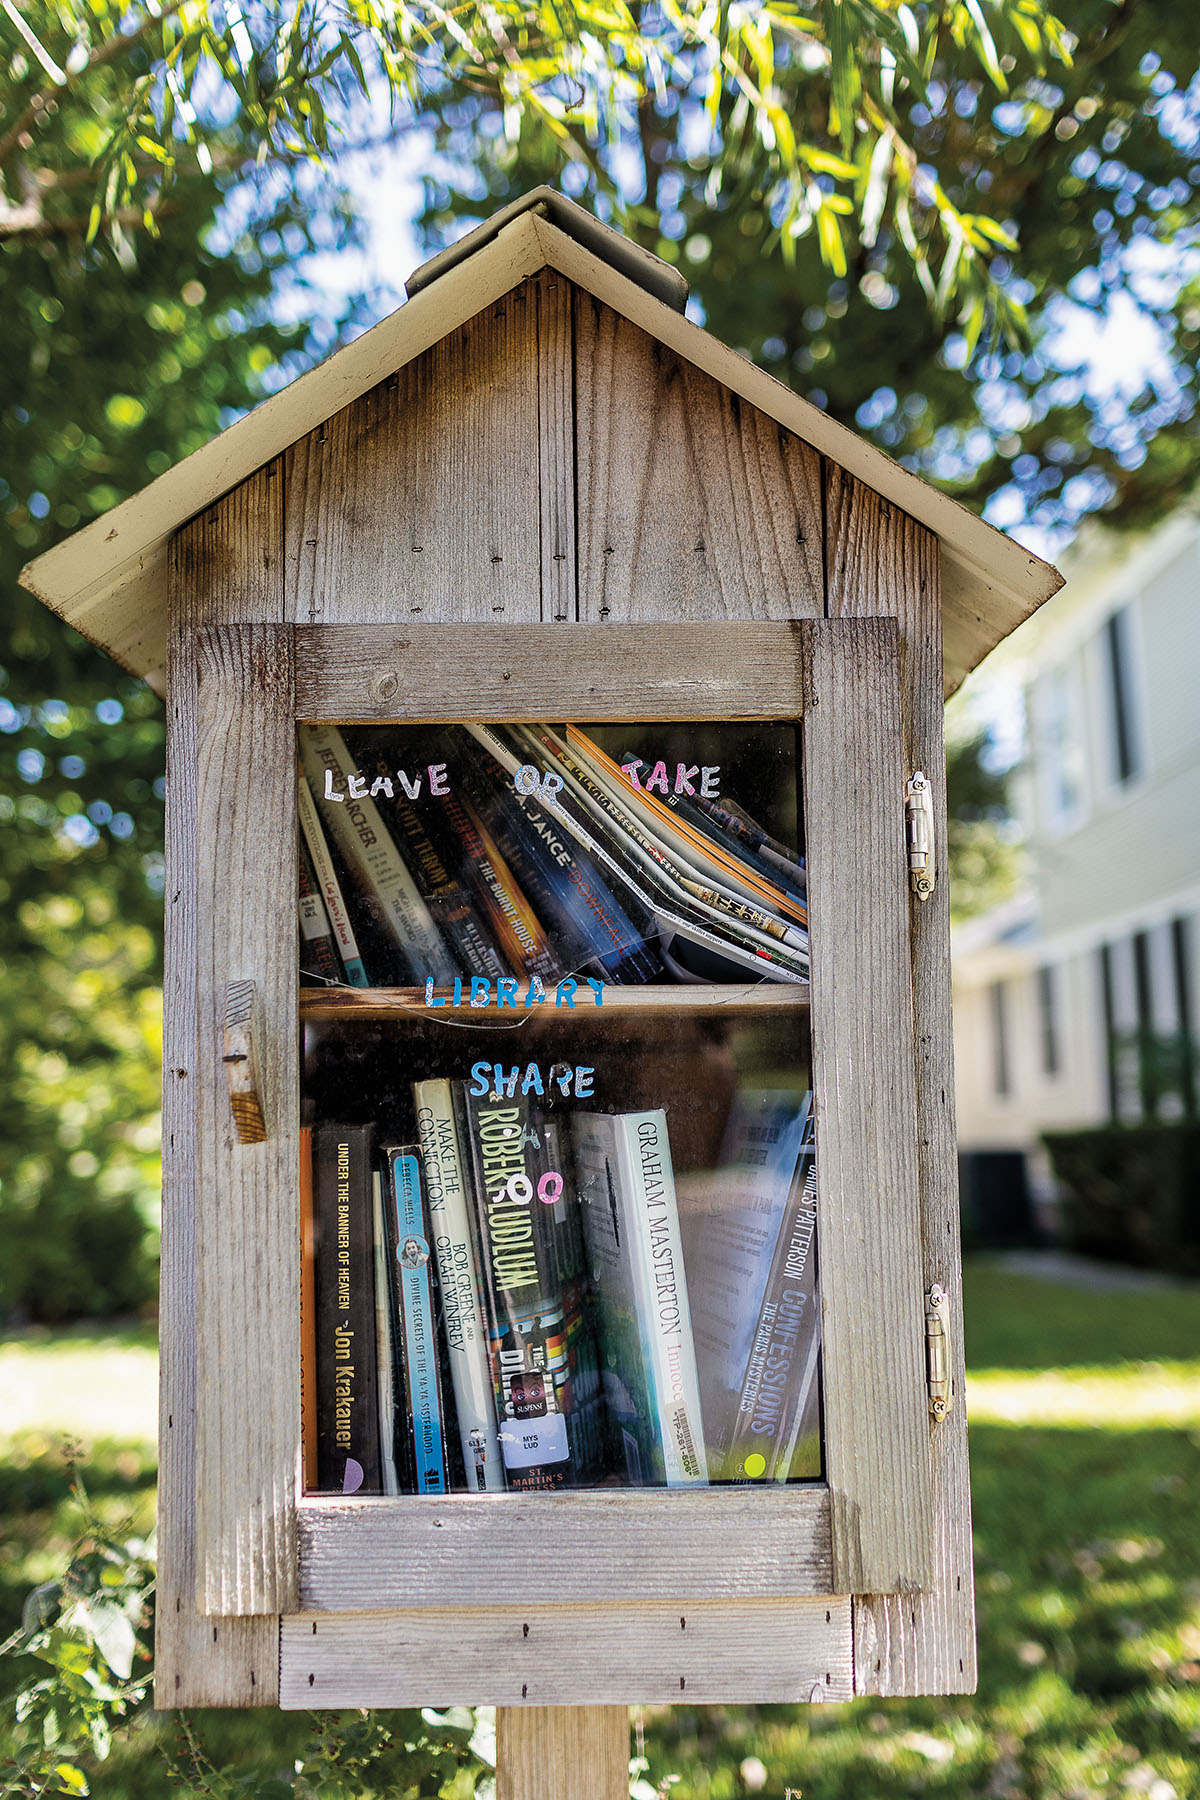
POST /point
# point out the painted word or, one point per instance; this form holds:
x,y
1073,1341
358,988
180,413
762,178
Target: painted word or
x,y
479,992
529,780
568,1078
657,781
358,787
520,1189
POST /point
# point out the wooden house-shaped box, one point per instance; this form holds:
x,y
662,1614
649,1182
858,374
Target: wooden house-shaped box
x,y
539,492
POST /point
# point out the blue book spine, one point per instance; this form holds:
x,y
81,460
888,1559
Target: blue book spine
x,y
416,1322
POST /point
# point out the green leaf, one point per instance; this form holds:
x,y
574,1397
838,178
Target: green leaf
x,y
71,1780
829,236
110,1630
845,82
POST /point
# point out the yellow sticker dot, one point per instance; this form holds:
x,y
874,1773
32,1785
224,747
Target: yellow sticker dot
x,y
756,1465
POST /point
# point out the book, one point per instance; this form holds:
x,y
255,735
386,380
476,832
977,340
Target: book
x,y
516,931
384,880
672,864
348,1456
748,1248
690,950
313,837
591,929
631,1226
383,1343
318,952
308,1314
433,856
522,1297
464,1322
414,1324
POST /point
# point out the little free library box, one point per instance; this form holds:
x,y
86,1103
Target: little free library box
x,y
561,1287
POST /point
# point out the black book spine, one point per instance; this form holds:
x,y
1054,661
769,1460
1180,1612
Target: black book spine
x,y
318,952
522,1294
348,1454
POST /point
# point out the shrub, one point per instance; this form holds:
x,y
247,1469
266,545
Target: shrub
x,y
1131,1193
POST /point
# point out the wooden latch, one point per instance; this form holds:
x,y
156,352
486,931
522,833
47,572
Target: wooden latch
x,y
243,1036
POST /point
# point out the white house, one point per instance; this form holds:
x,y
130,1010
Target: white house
x,y
1079,1001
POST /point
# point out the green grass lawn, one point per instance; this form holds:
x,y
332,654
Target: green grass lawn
x,y
1085,1456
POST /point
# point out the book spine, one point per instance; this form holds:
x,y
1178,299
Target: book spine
x,y
308,1314
517,930
725,912
330,888
567,889
663,1310
415,1322
463,1313
383,1341
776,1416
424,850
347,1404
318,952
368,849
523,1300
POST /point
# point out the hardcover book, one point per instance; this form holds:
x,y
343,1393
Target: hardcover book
x,y
414,1324
348,1457
464,1319
631,1225
522,1295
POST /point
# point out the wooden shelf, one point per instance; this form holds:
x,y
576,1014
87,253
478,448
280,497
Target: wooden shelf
x,y
321,1005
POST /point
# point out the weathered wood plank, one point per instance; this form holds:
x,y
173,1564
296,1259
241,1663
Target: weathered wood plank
x,y
418,1551
873,1375
421,500
573,1755
645,671
705,1651
692,503
618,1003
248,1221
227,563
881,561
556,446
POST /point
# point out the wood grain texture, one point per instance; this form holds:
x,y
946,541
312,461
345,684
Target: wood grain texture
x,y
419,1551
622,1004
556,446
692,503
248,1219
226,563
645,671
547,1750
422,499
873,1318
882,561
707,1651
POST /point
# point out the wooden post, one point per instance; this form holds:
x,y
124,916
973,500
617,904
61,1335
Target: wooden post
x,y
562,1753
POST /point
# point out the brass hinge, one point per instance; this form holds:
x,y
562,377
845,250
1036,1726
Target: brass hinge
x,y
918,817
937,1350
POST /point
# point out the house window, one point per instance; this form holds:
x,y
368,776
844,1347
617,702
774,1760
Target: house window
x,y
1059,749
1181,958
1000,1078
1125,760
1147,1044
1047,997
1108,1003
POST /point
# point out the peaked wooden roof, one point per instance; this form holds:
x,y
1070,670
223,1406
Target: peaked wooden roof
x,y
108,580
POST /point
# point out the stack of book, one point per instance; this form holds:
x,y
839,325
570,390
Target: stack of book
x,y
525,851
511,1301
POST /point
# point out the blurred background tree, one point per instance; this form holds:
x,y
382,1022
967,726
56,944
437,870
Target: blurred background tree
x,y
903,211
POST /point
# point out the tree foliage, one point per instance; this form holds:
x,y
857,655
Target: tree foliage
x,y
1061,377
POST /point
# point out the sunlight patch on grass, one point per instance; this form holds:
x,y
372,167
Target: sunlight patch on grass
x,y
1123,1397
93,1388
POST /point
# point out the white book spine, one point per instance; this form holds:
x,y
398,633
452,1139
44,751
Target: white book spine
x,y
331,891
466,1328
368,847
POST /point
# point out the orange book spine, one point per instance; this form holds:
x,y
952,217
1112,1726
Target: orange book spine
x,y
308,1315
